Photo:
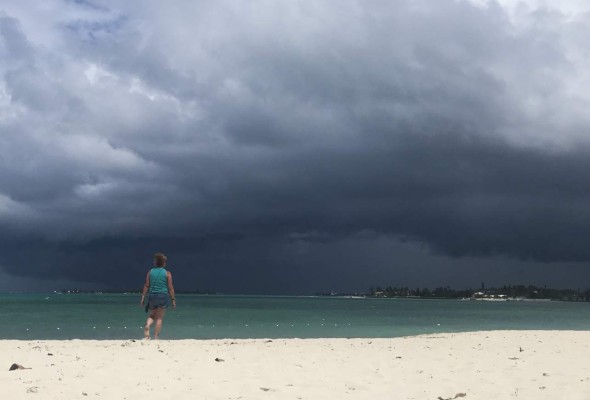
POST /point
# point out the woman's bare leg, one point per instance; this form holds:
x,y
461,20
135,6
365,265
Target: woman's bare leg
x,y
159,317
148,323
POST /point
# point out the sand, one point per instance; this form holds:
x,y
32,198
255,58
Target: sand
x,y
481,365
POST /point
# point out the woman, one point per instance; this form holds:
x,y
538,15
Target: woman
x,y
159,283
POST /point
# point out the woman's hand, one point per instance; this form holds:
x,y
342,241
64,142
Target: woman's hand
x,y
174,303
142,300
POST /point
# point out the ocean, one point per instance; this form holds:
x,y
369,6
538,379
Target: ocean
x,y
119,316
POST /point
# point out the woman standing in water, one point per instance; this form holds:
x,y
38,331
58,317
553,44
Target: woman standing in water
x,y
158,282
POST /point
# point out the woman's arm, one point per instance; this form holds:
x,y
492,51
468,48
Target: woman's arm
x,y
171,289
146,287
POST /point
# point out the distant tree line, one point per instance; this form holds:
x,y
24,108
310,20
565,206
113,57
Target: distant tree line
x,y
516,291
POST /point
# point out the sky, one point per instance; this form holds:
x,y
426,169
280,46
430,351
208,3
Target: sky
x,y
294,147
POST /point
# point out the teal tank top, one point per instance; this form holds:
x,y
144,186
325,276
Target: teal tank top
x,y
158,280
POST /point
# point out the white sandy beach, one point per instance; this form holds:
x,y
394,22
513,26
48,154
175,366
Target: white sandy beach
x,y
482,365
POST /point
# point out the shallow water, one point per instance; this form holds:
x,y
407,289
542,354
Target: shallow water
x,y
119,316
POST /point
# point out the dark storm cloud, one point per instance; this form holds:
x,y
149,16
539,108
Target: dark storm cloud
x,y
230,134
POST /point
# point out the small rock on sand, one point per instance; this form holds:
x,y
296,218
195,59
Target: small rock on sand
x,y
16,366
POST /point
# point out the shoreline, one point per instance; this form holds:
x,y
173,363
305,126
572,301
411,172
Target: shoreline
x,y
474,365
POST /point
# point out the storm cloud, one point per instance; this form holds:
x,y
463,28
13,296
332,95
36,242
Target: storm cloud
x,y
257,142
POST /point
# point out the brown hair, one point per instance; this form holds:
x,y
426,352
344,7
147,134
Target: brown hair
x,y
160,259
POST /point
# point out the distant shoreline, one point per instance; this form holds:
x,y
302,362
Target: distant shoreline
x,y
332,296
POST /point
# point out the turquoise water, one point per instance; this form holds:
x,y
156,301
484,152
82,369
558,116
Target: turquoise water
x,y
119,316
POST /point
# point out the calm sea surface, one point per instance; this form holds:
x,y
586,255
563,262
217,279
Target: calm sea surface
x,y
119,316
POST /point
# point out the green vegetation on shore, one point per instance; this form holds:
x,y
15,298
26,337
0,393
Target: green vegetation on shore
x,y
507,291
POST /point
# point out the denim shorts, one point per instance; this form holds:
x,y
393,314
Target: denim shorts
x,y
158,300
